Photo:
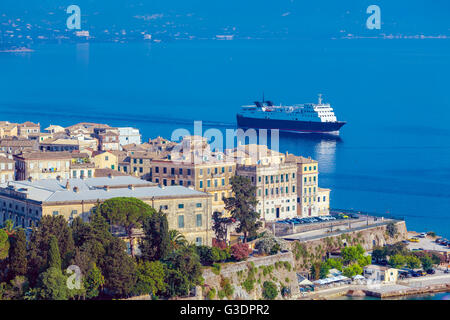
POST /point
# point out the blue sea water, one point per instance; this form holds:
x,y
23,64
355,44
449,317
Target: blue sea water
x,y
392,157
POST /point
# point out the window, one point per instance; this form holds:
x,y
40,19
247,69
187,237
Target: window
x,y
180,205
107,158
55,213
180,221
230,169
198,204
216,170
201,184
164,170
181,182
293,189
201,172
188,172
180,171
198,220
156,169
223,169
208,183
215,197
172,171
198,241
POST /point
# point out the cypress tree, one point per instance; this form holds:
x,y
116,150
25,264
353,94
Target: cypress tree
x,y
18,255
54,257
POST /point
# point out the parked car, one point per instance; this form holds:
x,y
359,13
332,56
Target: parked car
x,y
420,273
413,240
422,235
431,271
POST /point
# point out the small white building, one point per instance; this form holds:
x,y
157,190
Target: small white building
x,y
382,274
128,135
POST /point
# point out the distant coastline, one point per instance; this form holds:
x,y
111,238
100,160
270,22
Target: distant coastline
x,y
16,50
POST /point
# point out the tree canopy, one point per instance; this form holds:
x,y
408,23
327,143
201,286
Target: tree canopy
x,y
242,206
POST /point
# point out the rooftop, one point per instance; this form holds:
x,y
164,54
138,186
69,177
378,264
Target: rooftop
x,y
39,155
93,189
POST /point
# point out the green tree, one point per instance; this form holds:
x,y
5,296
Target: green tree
x,y
379,254
187,262
220,226
427,263
151,277
54,257
18,255
93,282
126,212
352,254
352,270
177,240
334,263
53,285
412,262
4,244
178,283
242,206
156,243
119,269
270,290
39,245
397,261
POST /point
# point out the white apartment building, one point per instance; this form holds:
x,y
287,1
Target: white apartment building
x,y
128,135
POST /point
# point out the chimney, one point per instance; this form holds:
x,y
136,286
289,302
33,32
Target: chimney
x,y
131,187
30,179
161,186
75,189
58,178
110,175
106,188
67,184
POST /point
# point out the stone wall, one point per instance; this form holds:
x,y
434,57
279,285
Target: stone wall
x,y
247,277
308,252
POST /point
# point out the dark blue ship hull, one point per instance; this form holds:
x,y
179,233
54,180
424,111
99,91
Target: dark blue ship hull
x,y
289,125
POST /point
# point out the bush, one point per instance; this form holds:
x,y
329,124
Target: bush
x,y
211,294
216,268
240,251
268,244
270,290
227,289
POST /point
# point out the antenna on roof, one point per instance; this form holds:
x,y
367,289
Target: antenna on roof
x,y
320,98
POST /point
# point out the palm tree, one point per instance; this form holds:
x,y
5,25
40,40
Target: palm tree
x,y
177,239
9,228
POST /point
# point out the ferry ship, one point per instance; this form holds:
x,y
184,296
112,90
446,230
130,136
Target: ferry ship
x,y
310,117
